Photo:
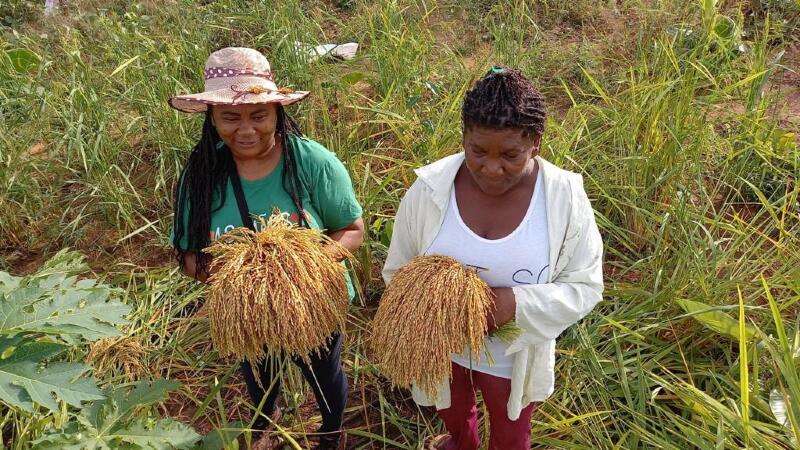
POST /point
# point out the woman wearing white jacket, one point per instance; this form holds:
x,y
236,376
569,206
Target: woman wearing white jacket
x,y
529,229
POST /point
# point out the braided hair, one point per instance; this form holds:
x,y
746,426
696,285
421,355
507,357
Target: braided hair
x,y
504,98
204,181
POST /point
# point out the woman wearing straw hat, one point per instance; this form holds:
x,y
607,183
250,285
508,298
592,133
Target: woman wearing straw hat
x,y
251,159
528,225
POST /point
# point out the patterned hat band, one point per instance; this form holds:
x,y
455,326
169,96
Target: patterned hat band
x,y
236,76
226,72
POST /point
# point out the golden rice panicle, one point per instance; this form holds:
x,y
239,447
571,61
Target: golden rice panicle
x,y
123,353
275,290
433,307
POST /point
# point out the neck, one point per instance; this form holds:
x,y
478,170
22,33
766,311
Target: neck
x,y
259,165
528,179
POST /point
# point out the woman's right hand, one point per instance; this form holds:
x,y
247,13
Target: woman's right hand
x,y
189,267
503,308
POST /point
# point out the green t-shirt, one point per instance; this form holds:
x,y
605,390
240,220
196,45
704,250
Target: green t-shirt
x,y
328,198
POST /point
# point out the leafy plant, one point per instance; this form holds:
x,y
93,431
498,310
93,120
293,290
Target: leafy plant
x,y
23,384
114,422
49,312
53,301
41,316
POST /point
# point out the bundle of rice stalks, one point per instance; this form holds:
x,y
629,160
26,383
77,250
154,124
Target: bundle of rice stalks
x,y
275,290
124,353
433,307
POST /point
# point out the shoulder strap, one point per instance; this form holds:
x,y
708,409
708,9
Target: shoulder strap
x,y
238,192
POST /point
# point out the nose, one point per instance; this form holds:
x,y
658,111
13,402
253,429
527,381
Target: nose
x,y
246,128
491,169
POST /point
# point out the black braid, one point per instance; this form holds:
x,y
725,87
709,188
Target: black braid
x,y
292,182
205,178
504,98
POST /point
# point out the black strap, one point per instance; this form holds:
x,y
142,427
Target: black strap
x,y
244,212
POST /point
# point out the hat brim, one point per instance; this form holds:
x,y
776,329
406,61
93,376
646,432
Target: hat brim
x,y
196,103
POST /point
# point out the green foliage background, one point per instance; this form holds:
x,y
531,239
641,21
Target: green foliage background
x,y
682,116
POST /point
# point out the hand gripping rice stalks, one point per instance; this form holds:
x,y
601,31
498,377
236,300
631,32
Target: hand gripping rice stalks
x,y
275,290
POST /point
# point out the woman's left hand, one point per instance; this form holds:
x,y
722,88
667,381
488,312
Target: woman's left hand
x,y
335,251
503,308
350,237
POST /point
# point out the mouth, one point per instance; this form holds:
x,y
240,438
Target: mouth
x,y
247,144
499,182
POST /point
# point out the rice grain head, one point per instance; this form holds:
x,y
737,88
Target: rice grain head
x,y
125,354
275,290
433,307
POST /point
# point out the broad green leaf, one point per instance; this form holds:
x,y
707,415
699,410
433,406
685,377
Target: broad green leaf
x,y
65,262
145,393
715,319
112,423
219,438
121,402
23,383
8,283
18,351
68,440
725,27
83,312
23,60
21,348
53,301
164,434
353,78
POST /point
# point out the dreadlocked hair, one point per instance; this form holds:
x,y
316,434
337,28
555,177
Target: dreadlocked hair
x,y
504,98
203,184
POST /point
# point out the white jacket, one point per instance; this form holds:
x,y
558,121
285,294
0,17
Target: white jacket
x,y
574,286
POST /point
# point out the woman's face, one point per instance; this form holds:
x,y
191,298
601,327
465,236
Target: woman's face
x,y
497,159
248,130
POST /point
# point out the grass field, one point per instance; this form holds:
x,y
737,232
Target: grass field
x,y
682,116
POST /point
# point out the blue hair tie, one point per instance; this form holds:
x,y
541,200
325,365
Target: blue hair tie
x,y
220,144
498,69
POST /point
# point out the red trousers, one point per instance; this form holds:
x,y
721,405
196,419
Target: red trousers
x,y
461,418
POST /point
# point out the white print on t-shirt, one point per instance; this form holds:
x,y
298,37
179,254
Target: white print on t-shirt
x,y
215,234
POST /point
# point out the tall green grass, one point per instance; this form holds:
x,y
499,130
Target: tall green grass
x,y
664,107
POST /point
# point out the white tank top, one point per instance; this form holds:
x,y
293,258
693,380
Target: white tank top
x,y
516,259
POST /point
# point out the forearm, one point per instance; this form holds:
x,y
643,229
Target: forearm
x,y
350,237
545,310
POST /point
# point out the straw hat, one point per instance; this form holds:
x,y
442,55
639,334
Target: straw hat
x,y
236,76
